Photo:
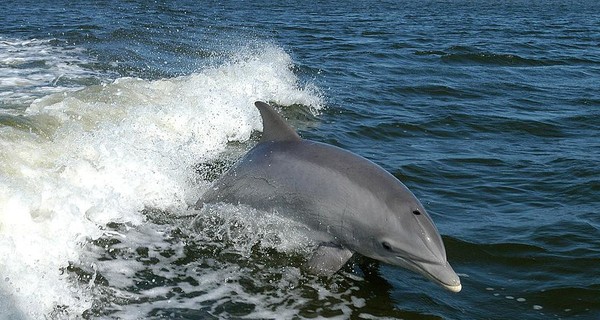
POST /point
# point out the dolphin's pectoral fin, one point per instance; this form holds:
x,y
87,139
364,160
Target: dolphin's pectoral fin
x,y
328,259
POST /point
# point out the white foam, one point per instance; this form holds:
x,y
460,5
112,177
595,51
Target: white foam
x,y
105,153
219,287
209,283
33,68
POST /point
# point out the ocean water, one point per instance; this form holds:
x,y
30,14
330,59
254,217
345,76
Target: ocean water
x,y
115,116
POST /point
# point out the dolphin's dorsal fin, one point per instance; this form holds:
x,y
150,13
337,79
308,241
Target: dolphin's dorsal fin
x,y
274,127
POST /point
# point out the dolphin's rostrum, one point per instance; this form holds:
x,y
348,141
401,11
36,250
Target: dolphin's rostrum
x,y
353,204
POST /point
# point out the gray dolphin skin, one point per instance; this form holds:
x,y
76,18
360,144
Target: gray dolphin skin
x,y
352,204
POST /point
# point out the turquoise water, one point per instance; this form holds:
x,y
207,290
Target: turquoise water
x,y
115,116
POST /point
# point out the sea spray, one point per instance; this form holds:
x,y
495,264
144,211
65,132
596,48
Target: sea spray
x,y
102,154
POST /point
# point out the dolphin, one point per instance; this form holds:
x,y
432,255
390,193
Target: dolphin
x,y
352,204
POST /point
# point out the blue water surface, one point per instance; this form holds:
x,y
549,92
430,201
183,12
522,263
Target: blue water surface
x,y
489,111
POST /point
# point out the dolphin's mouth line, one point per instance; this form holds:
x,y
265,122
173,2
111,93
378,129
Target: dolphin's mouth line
x,y
418,268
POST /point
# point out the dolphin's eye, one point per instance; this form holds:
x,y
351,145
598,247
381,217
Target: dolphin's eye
x,y
386,246
417,212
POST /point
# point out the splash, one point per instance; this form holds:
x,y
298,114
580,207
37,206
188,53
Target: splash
x,y
74,162
226,262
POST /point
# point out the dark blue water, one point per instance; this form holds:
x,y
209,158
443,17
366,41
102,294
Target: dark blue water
x,y
488,111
